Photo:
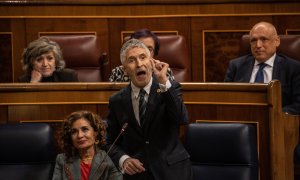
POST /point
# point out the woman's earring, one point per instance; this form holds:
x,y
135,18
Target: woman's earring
x,y
97,141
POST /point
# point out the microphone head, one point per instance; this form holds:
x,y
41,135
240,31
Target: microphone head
x,y
125,126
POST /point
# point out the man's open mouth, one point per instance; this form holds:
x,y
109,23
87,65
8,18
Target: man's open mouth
x,y
141,73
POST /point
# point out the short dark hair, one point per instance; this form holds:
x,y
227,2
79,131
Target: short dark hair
x,y
147,33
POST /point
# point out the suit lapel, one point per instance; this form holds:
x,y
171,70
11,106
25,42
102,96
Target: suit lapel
x,y
248,67
98,166
276,68
74,167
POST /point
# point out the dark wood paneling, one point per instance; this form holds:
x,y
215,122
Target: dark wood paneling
x,y
44,112
220,47
150,9
19,43
6,73
129,2
293,31
5,25
3,114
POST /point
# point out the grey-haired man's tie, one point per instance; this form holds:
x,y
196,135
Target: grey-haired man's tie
x,y
142,106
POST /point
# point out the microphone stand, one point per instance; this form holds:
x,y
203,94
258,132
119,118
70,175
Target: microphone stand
x,y
124,127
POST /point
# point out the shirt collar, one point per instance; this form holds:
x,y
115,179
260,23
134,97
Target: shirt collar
x,y
136,90
269,62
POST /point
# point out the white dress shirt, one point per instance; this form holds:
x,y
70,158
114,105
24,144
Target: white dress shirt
x,y
267,71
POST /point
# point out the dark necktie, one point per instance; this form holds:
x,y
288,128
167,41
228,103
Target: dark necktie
x,y
260,74
142,106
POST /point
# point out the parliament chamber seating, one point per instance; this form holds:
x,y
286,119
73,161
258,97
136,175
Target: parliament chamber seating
x,y
83,54
27,151
222,150
174,51
255,104
289,46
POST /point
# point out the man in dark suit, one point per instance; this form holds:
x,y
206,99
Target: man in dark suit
x,y
264,42
150,148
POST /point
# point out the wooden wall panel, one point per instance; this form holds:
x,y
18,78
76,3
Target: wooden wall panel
x,y
65,25
133,2
5,25
154,10
283,23
19,43
6,48
220,47
4,114
293,31
43,112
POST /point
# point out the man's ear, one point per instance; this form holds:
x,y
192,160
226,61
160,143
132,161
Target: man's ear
x,y
277,41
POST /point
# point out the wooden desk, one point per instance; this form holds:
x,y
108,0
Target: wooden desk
x,y
259,105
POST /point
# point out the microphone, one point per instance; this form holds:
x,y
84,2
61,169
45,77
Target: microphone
x,y
124,127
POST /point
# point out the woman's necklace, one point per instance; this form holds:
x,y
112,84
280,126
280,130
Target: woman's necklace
x,y
87,156
86,159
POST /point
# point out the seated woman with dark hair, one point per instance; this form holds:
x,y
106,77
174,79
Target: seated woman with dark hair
x,y
153,44
43,62
83,137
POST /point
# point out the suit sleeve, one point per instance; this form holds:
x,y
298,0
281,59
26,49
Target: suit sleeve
x,y
175,107
293,106
114,173
229,77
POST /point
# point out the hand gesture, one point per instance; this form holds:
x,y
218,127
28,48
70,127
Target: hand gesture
x,y
160,70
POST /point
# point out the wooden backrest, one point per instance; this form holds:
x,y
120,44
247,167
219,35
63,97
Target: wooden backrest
x,y
173,50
